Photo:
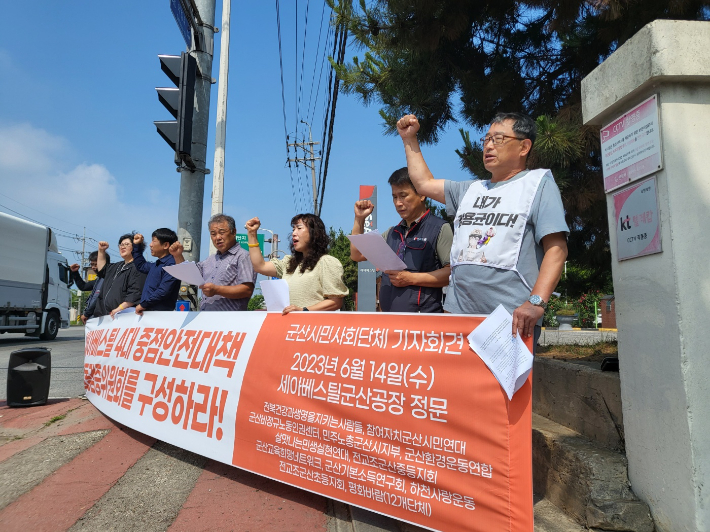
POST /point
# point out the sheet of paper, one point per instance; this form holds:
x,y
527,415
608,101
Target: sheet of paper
x,y
276,294
376,250
126,311
507,356
187,272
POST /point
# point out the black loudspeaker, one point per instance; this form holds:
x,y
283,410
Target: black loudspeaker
x,y
28,375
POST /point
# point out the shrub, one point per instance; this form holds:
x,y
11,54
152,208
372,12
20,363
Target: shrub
x,y
256,302
583,306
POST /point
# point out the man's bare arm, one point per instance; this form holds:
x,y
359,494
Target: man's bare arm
x,y
436,279
419,172
363,209
526,315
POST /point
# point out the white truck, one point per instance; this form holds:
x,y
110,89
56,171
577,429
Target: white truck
x,y
34,280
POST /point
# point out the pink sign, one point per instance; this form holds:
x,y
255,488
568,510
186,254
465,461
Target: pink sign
x,y
631,145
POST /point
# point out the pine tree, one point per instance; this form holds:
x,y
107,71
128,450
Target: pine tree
x,y
463,60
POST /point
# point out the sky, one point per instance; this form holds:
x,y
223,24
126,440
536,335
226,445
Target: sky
x,y
78,148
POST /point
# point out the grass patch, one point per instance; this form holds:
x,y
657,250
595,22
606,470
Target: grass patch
x,y
590,353
54,420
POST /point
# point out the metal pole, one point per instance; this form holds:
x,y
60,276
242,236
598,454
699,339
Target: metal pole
x,y
313,169
83,249
192,183
221,130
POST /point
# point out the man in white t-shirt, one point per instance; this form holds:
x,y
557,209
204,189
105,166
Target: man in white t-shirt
x,y
510,234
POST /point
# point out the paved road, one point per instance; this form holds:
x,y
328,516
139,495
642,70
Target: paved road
x,y
67,360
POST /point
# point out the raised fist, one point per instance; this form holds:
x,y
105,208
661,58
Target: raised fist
x,y
137,239
74,267
252,225
103,245
363,208
176,249
408,126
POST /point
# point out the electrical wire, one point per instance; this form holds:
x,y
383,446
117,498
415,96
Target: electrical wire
x,y
295,81
283,98
60,232
328,41
303,60
315,62
44,213
342,43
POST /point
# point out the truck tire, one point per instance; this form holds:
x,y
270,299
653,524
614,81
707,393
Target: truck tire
x,y
51,327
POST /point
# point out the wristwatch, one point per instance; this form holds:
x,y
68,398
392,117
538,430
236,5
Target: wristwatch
x,y
537,301
305,309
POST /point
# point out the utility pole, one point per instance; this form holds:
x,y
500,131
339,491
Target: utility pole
x,y
274,240
221,130
192,182
83,270
83,250
305,160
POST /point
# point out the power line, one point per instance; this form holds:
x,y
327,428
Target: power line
x,y
44,213
308,186
303,60
328,41
67,234
283,96
336,85
315,63
295,67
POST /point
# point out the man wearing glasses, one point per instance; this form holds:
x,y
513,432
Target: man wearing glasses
x,y
228,274
421,240
519,248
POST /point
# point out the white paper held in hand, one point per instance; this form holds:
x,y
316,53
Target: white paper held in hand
x,y
376,250
187,272
507,356
276,295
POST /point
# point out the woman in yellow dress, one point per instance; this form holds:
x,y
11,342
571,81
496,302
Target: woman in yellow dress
x,y
315,279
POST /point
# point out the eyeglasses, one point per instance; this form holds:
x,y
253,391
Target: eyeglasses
x,y
124,244
497,139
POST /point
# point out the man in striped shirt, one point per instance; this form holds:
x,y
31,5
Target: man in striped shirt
x,y
228,274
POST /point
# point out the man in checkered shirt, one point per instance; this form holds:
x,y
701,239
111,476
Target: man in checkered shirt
x,y
228,274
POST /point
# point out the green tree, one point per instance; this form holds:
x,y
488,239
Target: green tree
x,y
463,60
340,249
256,302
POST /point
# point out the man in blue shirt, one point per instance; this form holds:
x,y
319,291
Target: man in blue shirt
x,y
160,291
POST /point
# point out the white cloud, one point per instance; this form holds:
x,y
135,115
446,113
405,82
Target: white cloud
x,y
25,150
38,181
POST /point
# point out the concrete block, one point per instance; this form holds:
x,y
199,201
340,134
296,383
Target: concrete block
x,y
662,50
586,481
580,398
575,337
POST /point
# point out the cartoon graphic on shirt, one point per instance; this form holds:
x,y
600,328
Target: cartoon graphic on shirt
x,y
483,241
471,253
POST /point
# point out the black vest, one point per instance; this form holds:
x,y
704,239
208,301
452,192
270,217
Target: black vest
x,y
419,256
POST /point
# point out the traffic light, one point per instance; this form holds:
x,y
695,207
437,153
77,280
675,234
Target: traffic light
x,y
180,101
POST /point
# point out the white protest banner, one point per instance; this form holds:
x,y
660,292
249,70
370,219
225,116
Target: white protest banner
x,y
391,412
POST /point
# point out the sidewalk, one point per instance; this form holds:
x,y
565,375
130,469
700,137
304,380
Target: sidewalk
x,y
66,466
